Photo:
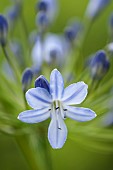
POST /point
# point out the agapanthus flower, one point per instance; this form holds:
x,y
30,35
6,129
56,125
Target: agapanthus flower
x,y
56,104
52,49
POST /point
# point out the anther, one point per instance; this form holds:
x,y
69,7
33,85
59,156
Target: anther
x,y
49,109
57,108
59,128
65,109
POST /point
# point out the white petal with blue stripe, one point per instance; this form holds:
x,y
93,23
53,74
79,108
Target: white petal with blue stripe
x,y
80,114
38,98
75,93
34,116
56,85
57,132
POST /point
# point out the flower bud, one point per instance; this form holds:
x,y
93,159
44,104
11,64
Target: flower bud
x,y
42,21
42,5
42,82
72,30
111,27
3,30
99,65
27,77
49,7
13,13
95,7
16,48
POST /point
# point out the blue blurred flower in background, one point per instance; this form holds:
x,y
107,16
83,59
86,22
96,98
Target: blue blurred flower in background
x,y
3,30
99,65
95,7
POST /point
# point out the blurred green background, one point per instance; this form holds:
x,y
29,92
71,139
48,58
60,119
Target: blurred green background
x,y
73,156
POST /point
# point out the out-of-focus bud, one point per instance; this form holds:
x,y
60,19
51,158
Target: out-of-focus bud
x,y
111,21
72,30
42,82
111,27
17,2
27,77
53,49
17,49
107,120
7,71
37,53
42,5
33,37
99,65
3,30
42,21
13,13
36,70
95,7
49,7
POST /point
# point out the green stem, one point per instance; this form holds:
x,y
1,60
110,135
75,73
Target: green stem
x,y
79,58
24,145
44,149
13,67
24,25
35,148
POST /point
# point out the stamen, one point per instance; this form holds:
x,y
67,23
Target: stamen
x,y
65,109
59,128
57,108
49,109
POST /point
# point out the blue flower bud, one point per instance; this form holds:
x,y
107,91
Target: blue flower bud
x,y
42,82
42,21
49,7
72,30
33,37
3,30
99,65
111,21
107,120
36,69
95,7
27,77
13,13
16,48
42,5
111,27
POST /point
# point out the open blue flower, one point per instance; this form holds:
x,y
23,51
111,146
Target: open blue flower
x,y
56,104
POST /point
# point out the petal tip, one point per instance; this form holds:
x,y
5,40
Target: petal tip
x,y
18,117
95,115
84,84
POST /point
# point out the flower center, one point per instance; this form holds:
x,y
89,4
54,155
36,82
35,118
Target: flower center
x,y
57,108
